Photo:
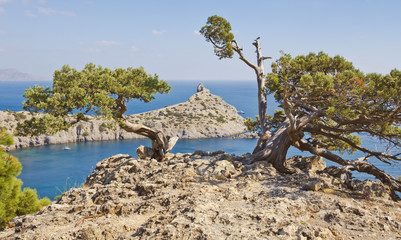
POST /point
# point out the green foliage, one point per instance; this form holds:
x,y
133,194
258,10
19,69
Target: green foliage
x,y
19,116
94,90
218,31
349,100
85,134
273,121
13,201
252,125
221,119
104,126
5,138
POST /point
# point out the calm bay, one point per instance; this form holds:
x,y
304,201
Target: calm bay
x,y
51,169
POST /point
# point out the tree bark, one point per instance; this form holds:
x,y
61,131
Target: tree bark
x,y
161,144
261,78
274,149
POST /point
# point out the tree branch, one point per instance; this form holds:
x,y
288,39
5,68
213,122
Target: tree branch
x,y
378,155
286,107
160,143
241,56
214,44
357,165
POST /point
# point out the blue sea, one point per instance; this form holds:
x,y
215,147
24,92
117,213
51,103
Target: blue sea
x,y
52,170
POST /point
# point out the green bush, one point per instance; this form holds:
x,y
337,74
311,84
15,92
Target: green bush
x,y
13,201
102,127
19,116
221,119
86,133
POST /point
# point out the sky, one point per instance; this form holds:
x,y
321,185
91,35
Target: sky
x,y
40,36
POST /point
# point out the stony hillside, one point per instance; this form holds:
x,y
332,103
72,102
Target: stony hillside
x,y
214,196
204,115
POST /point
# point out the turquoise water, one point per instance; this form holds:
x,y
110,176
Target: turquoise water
x,y
52,170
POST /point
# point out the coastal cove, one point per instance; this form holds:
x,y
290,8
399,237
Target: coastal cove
x,y
52,170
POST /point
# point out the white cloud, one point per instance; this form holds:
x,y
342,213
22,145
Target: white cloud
x,y
51,11
67,13
156,32
106,43
29,14
91,50
134,49
196,32
46,11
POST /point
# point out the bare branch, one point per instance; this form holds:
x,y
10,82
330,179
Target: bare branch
x,y
378,155
237,49
357,165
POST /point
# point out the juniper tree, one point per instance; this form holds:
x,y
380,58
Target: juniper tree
x,y
327,104
13,201
94,90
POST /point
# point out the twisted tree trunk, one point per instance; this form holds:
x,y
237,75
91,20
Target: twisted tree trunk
x,y
274,149
161,144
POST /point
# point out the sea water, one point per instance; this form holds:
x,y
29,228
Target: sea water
x,y
52,170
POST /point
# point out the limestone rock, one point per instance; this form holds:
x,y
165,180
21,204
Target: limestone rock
x,y
212,195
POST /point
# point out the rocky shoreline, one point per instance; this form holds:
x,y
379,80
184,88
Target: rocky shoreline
x,y
204,115
215,195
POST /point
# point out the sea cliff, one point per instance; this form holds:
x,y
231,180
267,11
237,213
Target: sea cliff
x,y
204,115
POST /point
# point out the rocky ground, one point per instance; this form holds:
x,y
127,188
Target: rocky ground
x,y
204,115
214,196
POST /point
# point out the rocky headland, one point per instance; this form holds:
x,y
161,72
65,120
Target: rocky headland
x,y
204,115
214,196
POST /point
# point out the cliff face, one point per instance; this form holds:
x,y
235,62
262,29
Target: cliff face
x,y
213,196
204,115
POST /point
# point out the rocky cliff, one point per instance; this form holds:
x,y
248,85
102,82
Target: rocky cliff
x,y
214,196
204,115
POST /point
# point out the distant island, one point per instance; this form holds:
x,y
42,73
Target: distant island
x,y
11,74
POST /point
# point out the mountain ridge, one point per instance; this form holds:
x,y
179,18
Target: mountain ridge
x,y
13,74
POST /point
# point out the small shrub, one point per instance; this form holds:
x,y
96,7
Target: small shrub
x,y
221,119
19,116
86,133
102,127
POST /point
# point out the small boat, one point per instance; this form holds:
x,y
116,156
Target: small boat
x,y
241,112
67,148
